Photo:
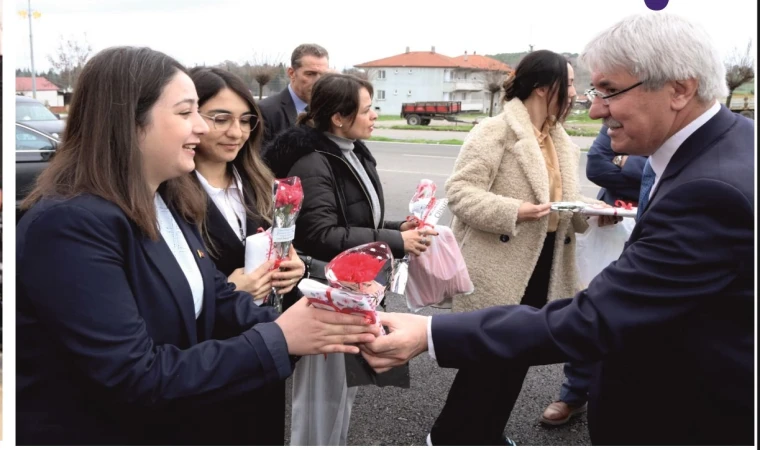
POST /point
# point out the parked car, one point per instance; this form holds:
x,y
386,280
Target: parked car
x,y
35,114
34,149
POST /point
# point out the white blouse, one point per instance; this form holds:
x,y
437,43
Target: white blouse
x,y
174,238
229,201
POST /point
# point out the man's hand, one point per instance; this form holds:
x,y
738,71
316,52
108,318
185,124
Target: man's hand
x,y
407,339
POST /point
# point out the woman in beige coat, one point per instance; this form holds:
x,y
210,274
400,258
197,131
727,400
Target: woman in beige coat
x,y
509,170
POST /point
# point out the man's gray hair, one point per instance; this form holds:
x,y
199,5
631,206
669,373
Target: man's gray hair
x,y
307,49
659,47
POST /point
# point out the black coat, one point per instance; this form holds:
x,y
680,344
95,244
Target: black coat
x,y
337,212
279,113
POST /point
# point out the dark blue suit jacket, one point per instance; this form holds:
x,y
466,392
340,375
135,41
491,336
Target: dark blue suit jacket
x,y
617,183
672,321
108,347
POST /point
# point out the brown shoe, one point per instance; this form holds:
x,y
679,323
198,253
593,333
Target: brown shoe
x,y
559,413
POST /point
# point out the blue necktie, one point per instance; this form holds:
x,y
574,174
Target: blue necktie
x,y
647,181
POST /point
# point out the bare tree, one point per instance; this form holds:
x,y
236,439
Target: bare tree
x,y
69,59
494,80
265,69
740,69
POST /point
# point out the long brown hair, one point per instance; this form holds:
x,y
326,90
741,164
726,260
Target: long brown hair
x,y
256,176
99,153
334,93
542,68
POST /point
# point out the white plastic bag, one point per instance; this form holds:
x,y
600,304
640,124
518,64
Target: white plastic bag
x,y
437,274
599,246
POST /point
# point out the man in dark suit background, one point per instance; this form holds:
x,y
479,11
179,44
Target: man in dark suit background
x,y
618,175
307,64
672,321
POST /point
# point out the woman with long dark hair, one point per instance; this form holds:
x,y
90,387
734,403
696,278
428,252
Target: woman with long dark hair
x,y
237,187
517,251
343,207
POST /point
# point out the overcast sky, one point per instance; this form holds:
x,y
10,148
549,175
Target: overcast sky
x,y
211,31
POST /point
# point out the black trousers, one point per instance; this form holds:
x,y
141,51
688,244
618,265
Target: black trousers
x,y
481,398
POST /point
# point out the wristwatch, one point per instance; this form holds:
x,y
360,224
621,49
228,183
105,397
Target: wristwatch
x,y
617,160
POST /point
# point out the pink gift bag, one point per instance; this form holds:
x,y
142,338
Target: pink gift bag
x,y
438,274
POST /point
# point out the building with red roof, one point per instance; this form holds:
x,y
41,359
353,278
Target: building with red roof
x,y
430,76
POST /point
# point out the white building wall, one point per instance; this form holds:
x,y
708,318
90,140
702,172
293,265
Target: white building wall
x,y
405,85
48,98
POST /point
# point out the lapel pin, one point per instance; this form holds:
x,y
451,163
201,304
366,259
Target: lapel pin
x,y
200,254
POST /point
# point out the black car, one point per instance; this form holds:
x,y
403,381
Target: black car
x,y
33,113
34,148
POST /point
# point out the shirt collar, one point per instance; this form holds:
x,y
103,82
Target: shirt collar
x,y
300,104
212,190
660,159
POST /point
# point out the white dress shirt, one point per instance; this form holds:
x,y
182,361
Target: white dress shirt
x,y
229,201
659,161
172,234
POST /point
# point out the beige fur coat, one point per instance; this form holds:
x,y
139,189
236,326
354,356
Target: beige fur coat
x,y
499,167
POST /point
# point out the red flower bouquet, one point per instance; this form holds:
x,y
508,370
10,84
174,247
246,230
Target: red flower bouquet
x,y
287,196
357,279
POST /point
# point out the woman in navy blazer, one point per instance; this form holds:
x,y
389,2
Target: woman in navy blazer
x,y
237,186
118,303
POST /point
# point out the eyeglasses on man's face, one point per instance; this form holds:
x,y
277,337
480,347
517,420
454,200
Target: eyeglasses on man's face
x,y
223,121
605,97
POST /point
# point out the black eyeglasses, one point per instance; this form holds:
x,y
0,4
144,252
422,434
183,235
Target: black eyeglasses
x,y
605,98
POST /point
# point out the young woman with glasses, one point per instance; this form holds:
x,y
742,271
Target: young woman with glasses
x,y
238,191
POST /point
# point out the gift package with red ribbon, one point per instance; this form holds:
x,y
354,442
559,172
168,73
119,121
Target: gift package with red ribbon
x,y
439,273
259,249
358,279
427,210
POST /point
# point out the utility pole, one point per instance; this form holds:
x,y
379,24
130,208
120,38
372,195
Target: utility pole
x,y
31,48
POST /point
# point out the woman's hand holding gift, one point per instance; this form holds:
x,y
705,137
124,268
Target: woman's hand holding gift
x,y
417,241
314,331
290,273
257,283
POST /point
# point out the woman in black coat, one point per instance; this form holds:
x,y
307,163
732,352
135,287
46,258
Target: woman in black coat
x,y
237,187
343,207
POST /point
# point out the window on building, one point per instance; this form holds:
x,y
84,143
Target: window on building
x,y
381,74
380,95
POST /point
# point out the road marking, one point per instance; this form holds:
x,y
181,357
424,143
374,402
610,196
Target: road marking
x,y
430,156
411,143
414,173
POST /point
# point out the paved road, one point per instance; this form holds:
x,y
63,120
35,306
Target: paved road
x,y
394,416
581,141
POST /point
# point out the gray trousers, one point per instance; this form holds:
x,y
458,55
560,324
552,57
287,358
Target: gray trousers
x,y
321,401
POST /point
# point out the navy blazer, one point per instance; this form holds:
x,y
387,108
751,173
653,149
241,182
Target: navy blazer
x,y
672,321
279,113
617,183
109,349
